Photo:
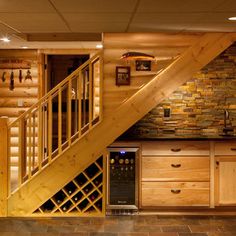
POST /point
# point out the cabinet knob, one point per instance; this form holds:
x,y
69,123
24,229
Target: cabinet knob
x,y
176,191
175,149
176,165
217,163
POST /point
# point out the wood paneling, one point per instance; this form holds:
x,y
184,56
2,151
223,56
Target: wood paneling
x,y
176,148
24,93
227,182
3,166
159,168
165,48
175,194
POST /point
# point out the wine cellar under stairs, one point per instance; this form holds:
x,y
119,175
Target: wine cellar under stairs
x,y
81,196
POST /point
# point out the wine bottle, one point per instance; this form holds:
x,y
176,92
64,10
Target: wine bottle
x,y
59,197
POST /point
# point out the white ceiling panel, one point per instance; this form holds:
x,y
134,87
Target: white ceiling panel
x,y
169,6
95,5
159,18
34,22
99,27
25,6
227,6
77,18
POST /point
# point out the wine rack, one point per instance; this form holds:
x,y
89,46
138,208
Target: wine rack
x,y
84,195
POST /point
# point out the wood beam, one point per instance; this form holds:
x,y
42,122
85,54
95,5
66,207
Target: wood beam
x,y
87,149
3,166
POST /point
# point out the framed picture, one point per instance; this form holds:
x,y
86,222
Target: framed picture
x,y
143,65
122,75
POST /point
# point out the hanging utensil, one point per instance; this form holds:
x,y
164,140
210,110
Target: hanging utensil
x,y
4,76
20,76
11,81
28,75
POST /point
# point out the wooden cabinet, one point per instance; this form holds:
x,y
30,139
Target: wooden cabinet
x,y
175,194
175,173
225,173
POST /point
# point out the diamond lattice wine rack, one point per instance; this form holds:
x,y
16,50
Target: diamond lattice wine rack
x,y
84,195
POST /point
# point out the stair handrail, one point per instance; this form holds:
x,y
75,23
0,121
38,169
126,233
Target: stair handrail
x,y
52,91
33,127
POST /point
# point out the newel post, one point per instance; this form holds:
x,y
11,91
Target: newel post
x,y
3,166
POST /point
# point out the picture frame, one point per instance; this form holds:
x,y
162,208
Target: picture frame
x,y
143,65
122,75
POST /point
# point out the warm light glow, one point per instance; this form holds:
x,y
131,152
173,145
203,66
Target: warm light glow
x,y
5,39
24,47
232,18
99,46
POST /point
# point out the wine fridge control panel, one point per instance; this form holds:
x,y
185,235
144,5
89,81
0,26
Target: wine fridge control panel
x,y
122,178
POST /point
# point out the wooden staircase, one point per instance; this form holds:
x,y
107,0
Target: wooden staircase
x,y
53,170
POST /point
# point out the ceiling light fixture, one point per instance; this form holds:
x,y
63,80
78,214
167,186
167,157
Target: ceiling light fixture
x,y
99,46
232,18
5,39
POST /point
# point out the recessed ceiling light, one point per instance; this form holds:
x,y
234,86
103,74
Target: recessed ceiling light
x,y
5,39
99,46
24,47
232,18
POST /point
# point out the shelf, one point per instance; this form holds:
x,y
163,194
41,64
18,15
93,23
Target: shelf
x,y
81,196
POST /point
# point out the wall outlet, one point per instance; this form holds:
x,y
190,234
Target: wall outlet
x,y
20,103
166,112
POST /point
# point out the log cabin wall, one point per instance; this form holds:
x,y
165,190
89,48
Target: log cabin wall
x,y
196,108
25,93
165,47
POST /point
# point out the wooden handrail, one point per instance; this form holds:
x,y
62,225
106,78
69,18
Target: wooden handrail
x,y
44,131
46,96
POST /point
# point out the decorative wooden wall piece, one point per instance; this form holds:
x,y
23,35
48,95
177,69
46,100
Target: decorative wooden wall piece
x,y
24,92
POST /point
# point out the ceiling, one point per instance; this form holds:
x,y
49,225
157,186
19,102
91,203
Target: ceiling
x,y
79,23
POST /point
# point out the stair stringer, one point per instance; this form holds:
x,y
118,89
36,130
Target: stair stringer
x,y
42,186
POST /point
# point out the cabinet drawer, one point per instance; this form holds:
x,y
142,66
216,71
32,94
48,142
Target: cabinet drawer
x,y
175,194
225,148
175,148
155,168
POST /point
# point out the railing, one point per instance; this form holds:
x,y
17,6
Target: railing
x,y
56,121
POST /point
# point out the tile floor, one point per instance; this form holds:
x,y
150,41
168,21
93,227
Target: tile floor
x,y
139,225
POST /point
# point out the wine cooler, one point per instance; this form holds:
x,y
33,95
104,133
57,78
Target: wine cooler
x,y
122,180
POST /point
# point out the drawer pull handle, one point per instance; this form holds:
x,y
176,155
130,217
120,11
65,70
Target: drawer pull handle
x,y
233,149
176,165
175,149
176,191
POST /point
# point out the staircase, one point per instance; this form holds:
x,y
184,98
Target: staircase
x,y
51,156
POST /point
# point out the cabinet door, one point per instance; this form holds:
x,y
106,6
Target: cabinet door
x,y
227,181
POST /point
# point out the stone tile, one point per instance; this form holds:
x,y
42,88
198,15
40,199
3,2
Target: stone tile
x,y
203,228
228,228
193,234
90,228
61,229
44,234
75,234
163,234
178,229
147,228
14,234
133,234
102,234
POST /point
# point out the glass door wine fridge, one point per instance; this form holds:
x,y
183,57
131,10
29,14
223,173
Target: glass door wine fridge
x,y
122,189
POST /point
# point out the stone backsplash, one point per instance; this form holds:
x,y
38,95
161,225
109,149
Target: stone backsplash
x,y
199,107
